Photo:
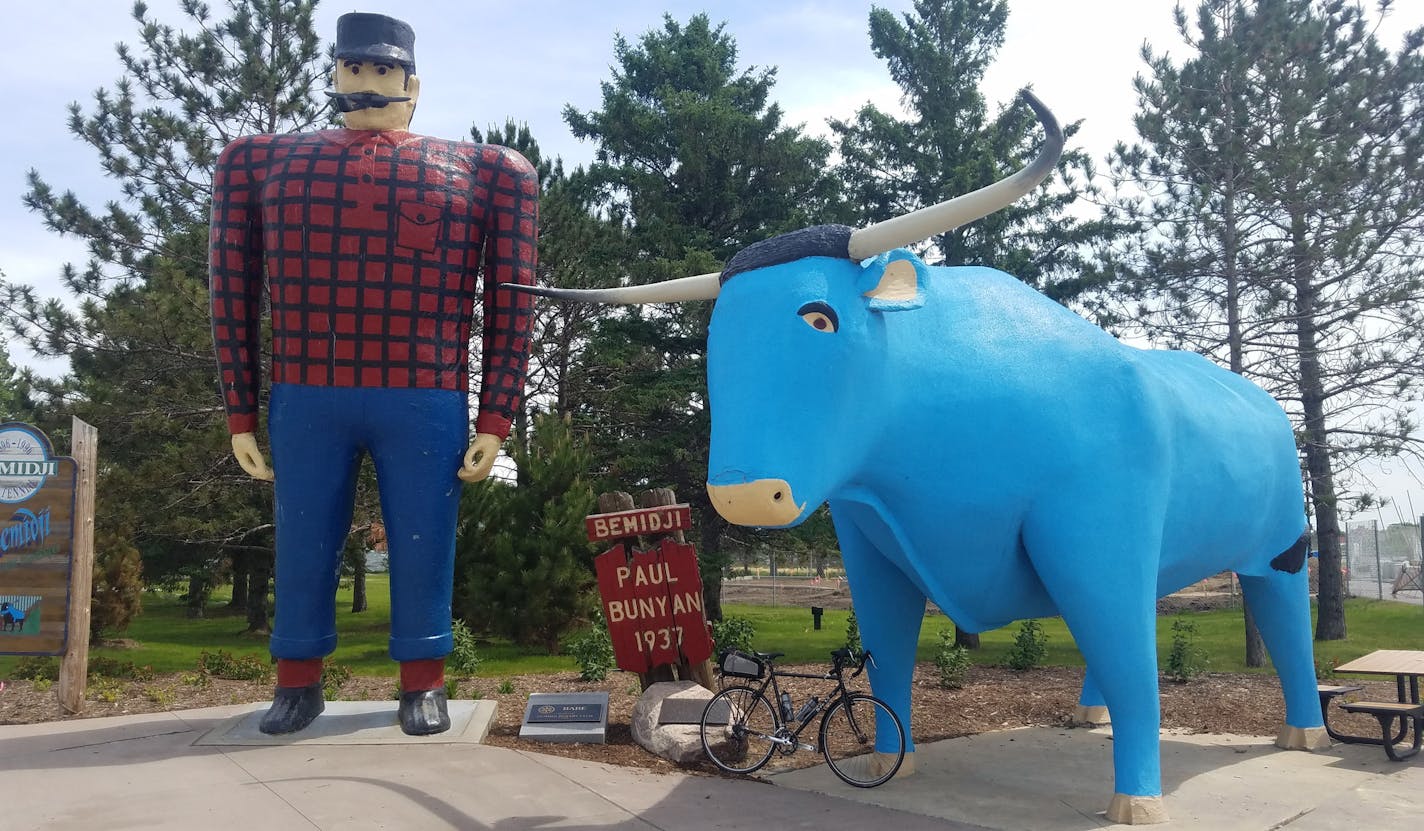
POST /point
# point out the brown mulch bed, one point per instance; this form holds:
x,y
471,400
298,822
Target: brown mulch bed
x,y
993,699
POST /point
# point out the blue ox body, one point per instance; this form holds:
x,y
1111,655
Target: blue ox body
x,y
984,447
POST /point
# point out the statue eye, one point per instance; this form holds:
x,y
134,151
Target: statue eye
x,y
819,316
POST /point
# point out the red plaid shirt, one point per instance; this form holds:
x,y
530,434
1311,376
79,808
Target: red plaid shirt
x,y
370,243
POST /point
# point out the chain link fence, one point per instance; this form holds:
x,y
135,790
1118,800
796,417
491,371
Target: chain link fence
x,y
1383,561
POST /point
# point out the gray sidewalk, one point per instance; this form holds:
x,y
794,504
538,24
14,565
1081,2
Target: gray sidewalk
x,y
149,772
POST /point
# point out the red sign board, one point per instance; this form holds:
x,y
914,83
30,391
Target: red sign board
x,y
653,604
643,521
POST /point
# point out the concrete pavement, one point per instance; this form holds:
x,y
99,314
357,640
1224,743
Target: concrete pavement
x,y
151,772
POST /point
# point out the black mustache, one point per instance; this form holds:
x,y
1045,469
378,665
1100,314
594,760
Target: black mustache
x,y
351,101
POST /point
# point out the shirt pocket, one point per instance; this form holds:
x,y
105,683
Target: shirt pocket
x,y
418,227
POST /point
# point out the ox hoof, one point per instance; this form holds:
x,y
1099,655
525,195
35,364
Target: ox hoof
x,y
1136,810
1091,716
883,761
1303,738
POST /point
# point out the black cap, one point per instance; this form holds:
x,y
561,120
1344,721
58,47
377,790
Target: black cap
x,y
364,36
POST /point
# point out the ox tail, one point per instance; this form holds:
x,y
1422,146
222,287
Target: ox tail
x,y
1292,559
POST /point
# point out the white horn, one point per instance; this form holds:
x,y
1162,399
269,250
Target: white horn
x,y
699,287
946,216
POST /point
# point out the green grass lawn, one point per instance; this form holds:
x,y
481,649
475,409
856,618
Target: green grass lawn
x,y
170,642
1372,624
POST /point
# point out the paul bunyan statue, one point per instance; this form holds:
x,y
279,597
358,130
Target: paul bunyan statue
x,y
370,241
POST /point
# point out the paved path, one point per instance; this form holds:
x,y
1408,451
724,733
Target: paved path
x,y
151,772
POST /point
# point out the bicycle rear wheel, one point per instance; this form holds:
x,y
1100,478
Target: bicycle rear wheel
x,y
862,740
737,727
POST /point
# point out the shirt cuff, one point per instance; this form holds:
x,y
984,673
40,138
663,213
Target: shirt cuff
x,y
493,424
242,423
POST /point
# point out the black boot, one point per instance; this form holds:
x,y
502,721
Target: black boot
x,y
423,713
293,708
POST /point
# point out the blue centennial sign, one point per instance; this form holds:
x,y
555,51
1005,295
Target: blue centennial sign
x,y
36,542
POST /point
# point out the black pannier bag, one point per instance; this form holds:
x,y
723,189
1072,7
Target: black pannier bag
x,y
739,664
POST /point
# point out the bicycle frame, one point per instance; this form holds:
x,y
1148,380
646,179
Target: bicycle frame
x,y
792,739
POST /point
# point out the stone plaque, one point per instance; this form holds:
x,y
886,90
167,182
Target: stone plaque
x,y
566,717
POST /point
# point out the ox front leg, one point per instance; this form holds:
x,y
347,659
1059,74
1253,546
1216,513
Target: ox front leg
x,y
889,609
1111,611
1280,602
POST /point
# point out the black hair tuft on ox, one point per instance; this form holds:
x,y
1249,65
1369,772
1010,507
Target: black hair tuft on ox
x,y
816,241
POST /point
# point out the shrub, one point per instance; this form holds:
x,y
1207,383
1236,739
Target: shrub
x,y
734,633
101,667
33,668
452,688
1030,646
1186,660
593,650
953,662
523,562
506,687
463,659
223,664
107,690
201,680
162,696
853,634
333,677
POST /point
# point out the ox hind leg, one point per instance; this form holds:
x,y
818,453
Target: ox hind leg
x,y
1092,710
888,609
1280,601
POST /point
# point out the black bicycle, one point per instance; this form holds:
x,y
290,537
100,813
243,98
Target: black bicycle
x,y
860,736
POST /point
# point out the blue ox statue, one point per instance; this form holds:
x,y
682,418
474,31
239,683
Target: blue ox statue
x,y
982,446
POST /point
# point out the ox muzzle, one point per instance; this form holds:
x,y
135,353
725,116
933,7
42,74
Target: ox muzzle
x,y
762,503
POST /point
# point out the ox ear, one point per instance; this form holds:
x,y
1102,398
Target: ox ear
x,y
894,282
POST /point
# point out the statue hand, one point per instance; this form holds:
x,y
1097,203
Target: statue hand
x,y
244,448
479,459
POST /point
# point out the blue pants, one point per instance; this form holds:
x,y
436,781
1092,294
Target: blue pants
x,y
417,439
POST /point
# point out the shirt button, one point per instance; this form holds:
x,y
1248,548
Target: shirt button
x,y
365,177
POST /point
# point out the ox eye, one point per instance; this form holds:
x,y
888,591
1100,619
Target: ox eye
x,y
819,316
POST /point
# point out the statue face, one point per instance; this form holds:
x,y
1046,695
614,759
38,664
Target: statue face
x,y
380,78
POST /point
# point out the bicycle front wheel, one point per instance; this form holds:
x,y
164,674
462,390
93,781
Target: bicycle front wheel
x,y
862,740
737,730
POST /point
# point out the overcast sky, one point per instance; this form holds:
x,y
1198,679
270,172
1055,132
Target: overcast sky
x,y
481,62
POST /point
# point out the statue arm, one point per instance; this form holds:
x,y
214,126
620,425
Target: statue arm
x,y
509,258
235,275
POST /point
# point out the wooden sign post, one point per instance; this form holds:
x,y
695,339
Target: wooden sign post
x,y
47,550
652,595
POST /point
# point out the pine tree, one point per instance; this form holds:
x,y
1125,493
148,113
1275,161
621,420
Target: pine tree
x,y
1282,166
694,160
137,332
523,563
950,145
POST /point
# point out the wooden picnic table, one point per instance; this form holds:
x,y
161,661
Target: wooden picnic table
x,y
1397,717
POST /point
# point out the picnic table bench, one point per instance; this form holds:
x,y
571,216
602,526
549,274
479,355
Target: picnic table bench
x,y
1396,718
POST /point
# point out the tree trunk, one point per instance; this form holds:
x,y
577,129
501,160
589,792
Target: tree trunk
x,y
241,566
1330,621
711,561
358,585
260,583
197,596
968,640
1255,647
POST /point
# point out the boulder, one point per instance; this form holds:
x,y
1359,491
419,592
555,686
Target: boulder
x,y
677,742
